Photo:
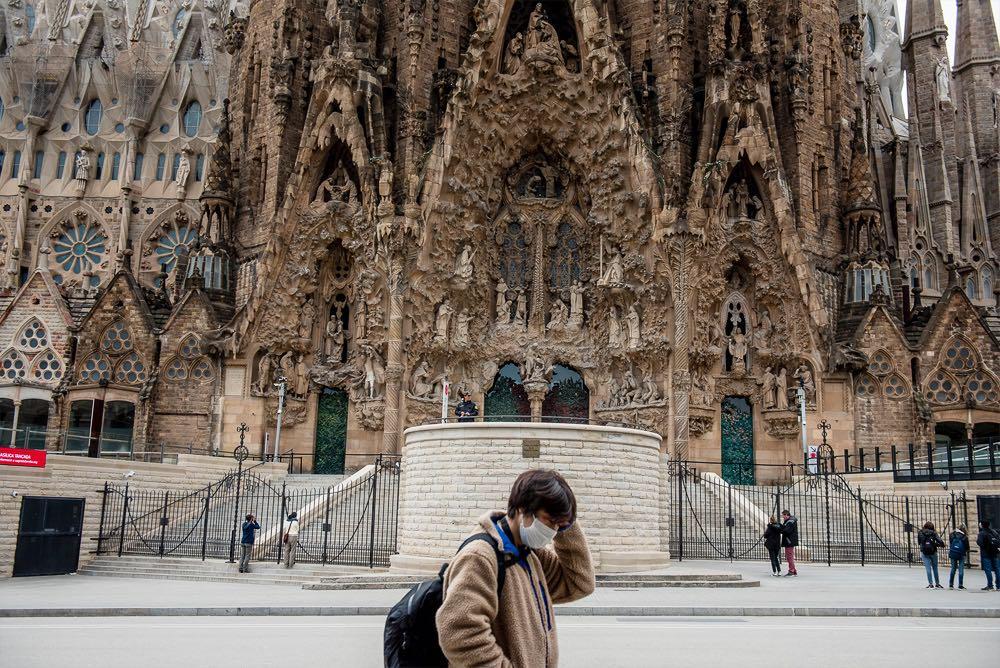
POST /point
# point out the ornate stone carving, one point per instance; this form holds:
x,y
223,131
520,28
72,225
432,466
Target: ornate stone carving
x,y
781,424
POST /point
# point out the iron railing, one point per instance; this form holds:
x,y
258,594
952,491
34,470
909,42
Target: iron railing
x,y
713,519
352,523
977,459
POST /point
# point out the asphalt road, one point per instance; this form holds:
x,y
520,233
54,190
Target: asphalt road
x,y
584,642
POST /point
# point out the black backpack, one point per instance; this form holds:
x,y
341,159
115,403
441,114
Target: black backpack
x,y
411,638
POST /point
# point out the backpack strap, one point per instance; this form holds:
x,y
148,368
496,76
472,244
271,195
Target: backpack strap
x,y
501,561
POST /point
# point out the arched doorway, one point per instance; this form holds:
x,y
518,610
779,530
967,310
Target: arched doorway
x,y
507,397
567,399
331,431
737,441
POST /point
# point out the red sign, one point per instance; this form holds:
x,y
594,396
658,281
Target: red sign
x,y
22,457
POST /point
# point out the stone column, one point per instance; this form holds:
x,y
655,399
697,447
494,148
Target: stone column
x,y
681,373
536,319
13,427
394,353
536,395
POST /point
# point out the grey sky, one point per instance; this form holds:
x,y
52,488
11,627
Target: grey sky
x,y
950,12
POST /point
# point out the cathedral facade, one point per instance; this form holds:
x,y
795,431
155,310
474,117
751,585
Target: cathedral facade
x,y
699,217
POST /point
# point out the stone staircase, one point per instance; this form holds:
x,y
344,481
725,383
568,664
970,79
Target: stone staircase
x,y
340,578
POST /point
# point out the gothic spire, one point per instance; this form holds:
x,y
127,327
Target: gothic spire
x,y
924,18
976,41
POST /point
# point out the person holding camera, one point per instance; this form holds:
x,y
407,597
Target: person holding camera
x,y
250,529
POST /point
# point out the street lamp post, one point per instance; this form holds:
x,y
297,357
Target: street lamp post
x,y
281,384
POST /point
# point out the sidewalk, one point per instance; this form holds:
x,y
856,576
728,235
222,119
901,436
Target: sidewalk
x,y
876,591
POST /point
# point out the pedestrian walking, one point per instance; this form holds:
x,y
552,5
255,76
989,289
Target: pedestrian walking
x,y
989,553
466,409
772,542
929,541
958,547
549,562
789,540
250,529
290,533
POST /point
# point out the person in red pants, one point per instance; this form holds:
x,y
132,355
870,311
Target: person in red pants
x,y
789,540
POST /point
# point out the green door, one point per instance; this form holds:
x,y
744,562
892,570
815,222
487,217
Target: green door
x,y
331,432
737,441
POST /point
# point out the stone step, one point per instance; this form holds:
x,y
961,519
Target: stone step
x,y
332,584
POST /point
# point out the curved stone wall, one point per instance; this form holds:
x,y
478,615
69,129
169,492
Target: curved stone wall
x,y
452,473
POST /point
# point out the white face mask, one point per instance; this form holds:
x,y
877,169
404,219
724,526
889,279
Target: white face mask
x,y
537,535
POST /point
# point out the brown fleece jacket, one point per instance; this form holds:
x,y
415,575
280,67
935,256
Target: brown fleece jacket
x,y
519,630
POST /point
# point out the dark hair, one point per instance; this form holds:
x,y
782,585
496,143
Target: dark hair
x,y
986,524
929,526
785,512
249,516
542,489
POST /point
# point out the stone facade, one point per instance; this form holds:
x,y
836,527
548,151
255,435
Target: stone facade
x,y
673,214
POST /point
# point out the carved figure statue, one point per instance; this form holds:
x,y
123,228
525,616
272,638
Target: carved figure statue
x,y
183,170
301,377
287,364
306,319
632,321
762,333
521,309
558,315
805,378
714,337
615,336
650,392
576,301
419,387
534,368
515,50
336,186
542,38
943,77
82,165
264,374
770,384
443,321
741,197
503,303
630,387
615,273
781,390
374,372
461,337
463,264
336,337
738,350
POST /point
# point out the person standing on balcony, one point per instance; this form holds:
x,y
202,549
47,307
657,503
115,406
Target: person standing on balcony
x,y
466,409
789,540
250,527
958,547
772,541
929,541
290,536
989,552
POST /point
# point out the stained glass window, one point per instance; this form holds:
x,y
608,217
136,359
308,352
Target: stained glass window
x,y
33,337
189,347
95,369
192,118
567,399
942,388
92,116
564,265
80,247
982,388
896,387
506,400
13,365
880,364
987,277
130,370
29,13
176,241
116,338
47,367
866,387
201,370
515,257
958,356
175,370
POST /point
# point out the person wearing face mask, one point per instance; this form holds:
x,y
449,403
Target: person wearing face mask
x,y
547,561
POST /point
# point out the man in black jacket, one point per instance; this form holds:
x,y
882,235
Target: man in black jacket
x,y
466,409
988,540
789,539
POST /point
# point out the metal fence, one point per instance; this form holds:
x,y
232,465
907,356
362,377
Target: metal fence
x,y
353,523
712,519
977,459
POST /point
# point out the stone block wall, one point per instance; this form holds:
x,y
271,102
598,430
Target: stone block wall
x,y
452,474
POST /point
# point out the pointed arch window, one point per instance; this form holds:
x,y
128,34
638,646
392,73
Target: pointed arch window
x,y
199,167
189,347
506,400
29,14
515,257
13,366
47,368
202,371
987,279
161,163
94,369
866,387
959,356
567,399
564,265
175,166
192,118
131,370
137,172
175,370
970,288
736,326
173,244
942,388
15,164
33,337
61,165
116,163
116,338
92,116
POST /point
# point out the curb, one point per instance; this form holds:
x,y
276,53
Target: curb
x,y
566,611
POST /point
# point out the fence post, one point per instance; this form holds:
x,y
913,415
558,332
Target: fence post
x,y
826,497
894,461
730,521
371,537
993,461
680,468
861,524
861,460
965,521
909,447
236,513
930,460
951,466
847,462
971,460
326,525
163,522
104,506
204,528
878,459
908,528
121,536
281,520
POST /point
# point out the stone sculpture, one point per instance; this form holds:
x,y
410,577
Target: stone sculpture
x,y
576,304
503,303
374,372
738,351
521,309
615,335
301,377
805,379
463,264
634,333
336,337
614,274
781,390
558,316
264,374
461,337
515,50
419,387
443,321
769,387
83,165
306,319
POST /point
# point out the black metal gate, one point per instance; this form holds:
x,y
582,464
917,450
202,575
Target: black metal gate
x,y
713,519
48,536
353,523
